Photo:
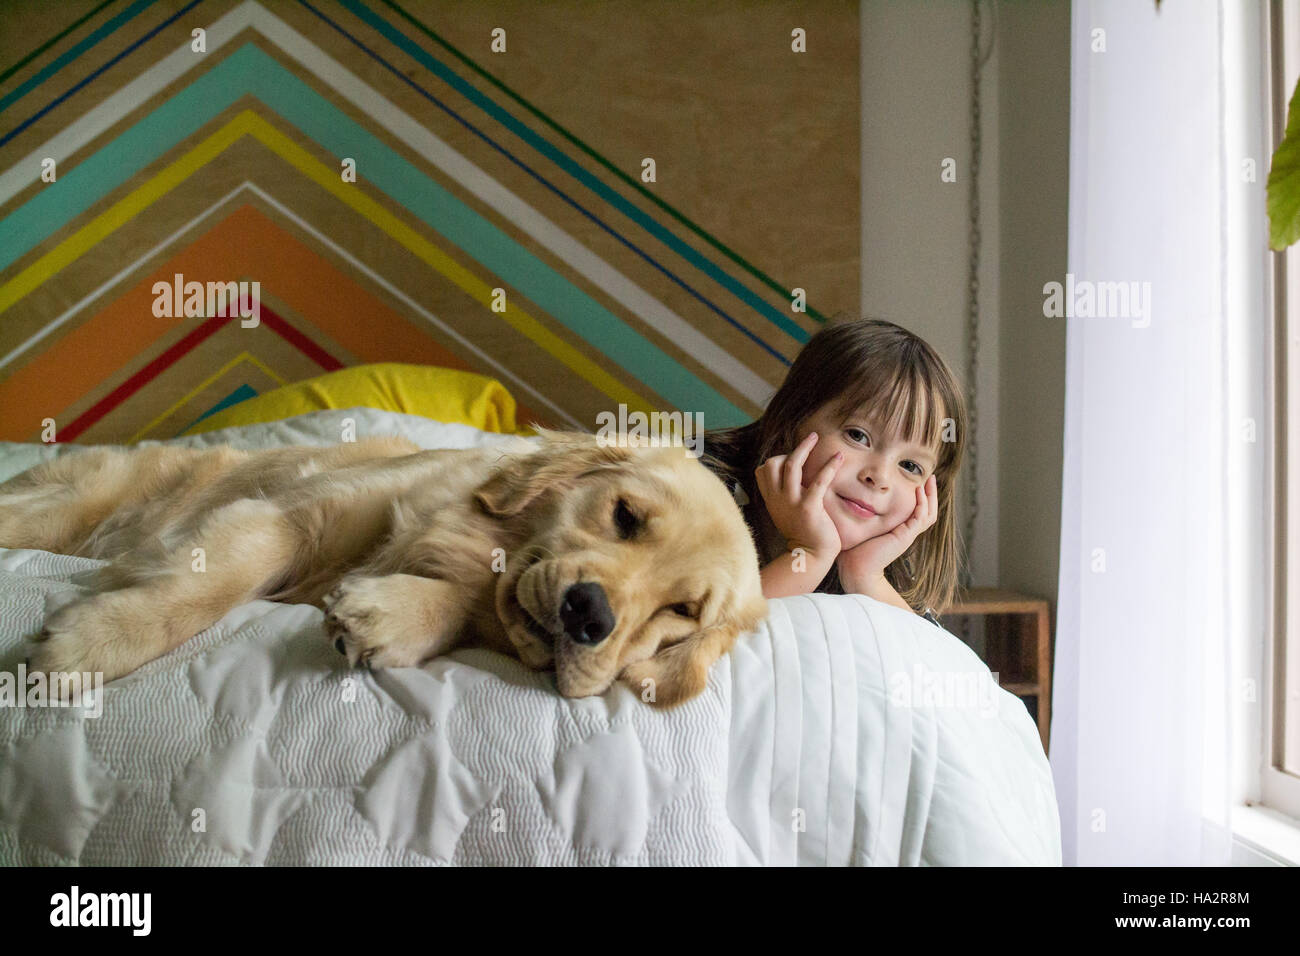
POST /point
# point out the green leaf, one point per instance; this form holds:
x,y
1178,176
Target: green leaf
x,y
1284,182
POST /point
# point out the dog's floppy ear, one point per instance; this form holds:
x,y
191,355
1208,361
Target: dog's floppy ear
x,y
563,459
679,672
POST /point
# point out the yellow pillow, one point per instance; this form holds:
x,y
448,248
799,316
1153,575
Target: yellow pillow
x,y
443,394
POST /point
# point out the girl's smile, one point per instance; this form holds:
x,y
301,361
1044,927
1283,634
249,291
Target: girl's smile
x,y
857,508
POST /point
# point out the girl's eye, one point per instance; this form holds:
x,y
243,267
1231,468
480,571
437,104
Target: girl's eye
x,y
911,466
624,519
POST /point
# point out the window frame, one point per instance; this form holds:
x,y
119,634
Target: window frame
x,y
1279,789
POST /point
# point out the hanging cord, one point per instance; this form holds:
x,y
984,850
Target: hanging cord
x,y
977,61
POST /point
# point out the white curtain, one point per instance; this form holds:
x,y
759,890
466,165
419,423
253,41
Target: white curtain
x,y
1164,576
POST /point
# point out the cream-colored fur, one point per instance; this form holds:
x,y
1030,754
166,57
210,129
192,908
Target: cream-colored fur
x,y
410,553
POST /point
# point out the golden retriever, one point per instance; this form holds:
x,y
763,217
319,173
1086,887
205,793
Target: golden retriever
x,y
602,561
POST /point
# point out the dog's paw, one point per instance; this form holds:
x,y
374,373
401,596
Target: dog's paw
x,y
367,620
76,639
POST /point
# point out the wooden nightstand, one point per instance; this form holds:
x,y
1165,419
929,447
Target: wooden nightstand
x,y
1016,643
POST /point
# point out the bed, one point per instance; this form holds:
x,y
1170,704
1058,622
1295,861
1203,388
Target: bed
x,y
842,732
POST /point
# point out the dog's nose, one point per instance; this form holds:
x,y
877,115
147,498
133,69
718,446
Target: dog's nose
x,y
585,613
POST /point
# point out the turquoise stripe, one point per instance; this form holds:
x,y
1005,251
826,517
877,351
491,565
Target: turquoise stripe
x,y
128,14
574,169
250,70
240,394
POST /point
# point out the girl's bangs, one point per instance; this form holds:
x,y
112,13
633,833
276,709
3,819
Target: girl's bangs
x,y
901,398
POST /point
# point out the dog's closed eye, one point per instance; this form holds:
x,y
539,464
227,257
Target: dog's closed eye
x,y
683,610
625,520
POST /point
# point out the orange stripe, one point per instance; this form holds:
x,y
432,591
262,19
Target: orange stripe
x,y
244,245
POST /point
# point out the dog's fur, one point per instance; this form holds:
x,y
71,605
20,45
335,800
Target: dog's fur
x,y
410,553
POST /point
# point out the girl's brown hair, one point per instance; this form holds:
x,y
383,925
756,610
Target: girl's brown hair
x,y
847,366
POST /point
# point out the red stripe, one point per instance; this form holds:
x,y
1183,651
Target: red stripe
x,y
295,338
189,342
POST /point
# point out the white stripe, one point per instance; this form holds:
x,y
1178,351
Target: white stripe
x,y
406,129
125,101
537,398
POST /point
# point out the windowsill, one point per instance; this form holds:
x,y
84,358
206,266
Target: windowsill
x,y
1268,831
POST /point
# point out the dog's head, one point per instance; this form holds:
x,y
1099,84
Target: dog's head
x,y
635,564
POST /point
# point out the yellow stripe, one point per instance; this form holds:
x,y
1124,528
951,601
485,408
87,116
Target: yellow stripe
x,y
249,123
241,357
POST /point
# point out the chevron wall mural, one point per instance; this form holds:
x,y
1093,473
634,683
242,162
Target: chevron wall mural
x,y
594,215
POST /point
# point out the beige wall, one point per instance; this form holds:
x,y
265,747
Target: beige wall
x,y
755,144
915,246
1034,128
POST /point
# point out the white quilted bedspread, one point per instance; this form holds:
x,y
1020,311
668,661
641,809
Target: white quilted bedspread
x,y
842,731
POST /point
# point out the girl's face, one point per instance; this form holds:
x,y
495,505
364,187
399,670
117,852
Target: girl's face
x,y
882,471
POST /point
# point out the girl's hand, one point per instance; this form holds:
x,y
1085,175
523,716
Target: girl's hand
x,y
866,562
799,513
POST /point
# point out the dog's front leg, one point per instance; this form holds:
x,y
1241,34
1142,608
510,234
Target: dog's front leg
x,y
394,620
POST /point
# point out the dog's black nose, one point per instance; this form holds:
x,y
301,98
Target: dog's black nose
x,y
585,613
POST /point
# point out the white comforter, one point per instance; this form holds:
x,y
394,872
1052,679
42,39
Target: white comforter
x,y
842,731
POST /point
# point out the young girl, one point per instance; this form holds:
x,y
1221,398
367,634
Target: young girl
x,y
869,414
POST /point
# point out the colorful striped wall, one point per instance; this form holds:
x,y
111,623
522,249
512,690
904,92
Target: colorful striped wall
x,y
498,220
